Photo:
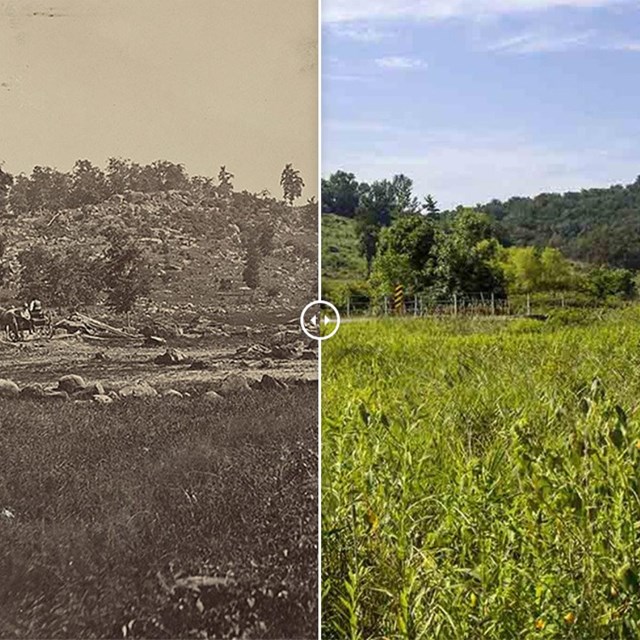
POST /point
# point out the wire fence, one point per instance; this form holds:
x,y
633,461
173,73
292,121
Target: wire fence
x,y
473,304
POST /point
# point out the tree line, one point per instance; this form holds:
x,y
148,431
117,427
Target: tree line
x,y
465,251
47,188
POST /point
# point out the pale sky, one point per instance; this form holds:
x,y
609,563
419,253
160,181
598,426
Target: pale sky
x,y
198,82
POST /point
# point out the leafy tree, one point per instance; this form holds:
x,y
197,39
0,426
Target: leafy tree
x,y
467,257
88,184
68,277
340,194
123,175
430,207
18,198
169,176
6,180
126,273
603,282
402,191
291,183
225,182
374,212
48,189
406,253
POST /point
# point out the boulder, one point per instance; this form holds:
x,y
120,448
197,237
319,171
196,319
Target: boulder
x,y
154,341
234,383
102,399
212,396
60,396
172,393
95,389
33,390
8,388
138,390
71,383
171,356
269,383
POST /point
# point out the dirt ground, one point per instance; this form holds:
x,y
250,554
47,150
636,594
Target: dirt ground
x,y
115,364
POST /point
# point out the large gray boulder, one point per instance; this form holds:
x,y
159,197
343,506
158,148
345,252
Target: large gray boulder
x,y
171,356
71,383
234,383
138,390
32,390
8,388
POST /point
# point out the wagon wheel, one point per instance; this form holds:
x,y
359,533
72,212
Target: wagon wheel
x,y
47,329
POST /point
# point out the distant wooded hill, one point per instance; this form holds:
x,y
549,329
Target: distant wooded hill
x,y
599,226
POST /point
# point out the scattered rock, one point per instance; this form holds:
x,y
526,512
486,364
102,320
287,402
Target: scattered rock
x,y
154,341
212,395
8,388
101,355
171,356
102,399
270,383
172,393
95,389
33,390
60,396
71,383
234,383
138,390
199,365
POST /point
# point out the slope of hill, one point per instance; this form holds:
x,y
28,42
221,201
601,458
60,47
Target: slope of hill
x,y
197,247
593,225
341,257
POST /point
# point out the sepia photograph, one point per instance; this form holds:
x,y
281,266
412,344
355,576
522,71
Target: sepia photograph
x,y
481,240
158,243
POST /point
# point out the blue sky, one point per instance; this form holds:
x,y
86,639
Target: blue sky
x,y
476,99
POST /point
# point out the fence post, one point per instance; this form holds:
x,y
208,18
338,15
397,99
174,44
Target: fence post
x,y
528,304
493,304
455,304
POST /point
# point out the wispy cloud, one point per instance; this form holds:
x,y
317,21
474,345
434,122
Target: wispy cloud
x,y
625,46
535,42
361,33
335,11
462,168
400,62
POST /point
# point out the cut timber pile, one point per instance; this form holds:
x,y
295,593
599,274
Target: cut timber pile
x,y
91,328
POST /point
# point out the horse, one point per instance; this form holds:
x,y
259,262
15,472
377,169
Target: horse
x,y
9,324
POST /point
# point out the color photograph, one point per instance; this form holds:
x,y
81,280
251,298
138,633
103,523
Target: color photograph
x,y
481,239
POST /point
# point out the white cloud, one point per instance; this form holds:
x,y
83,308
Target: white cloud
x,y
361,33
541,43
335,11
400,62
477,170
625,46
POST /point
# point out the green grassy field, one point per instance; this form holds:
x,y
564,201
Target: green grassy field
x,y
341,257
481,479
106,512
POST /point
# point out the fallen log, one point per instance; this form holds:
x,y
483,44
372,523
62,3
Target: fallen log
x,y
100,326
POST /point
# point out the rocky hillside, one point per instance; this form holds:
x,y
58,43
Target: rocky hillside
x,y
240,253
